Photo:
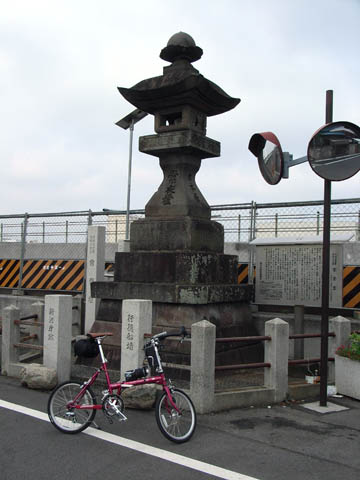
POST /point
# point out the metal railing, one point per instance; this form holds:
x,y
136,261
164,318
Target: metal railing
x,y
241,222
260,338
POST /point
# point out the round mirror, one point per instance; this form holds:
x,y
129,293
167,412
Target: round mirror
x,y
266,147
334,151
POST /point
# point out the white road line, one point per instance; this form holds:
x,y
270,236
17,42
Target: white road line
x,y
140,447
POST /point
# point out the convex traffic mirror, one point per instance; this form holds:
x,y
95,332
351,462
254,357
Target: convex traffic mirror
x,y
334,151
266,147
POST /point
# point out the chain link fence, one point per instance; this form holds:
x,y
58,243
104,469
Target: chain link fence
x,y
63,236
242,222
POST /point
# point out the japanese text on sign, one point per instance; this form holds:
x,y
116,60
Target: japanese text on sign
x,y
292,274
51,325
130,332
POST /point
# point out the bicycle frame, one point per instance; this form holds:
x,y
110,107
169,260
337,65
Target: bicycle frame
x,y
118,386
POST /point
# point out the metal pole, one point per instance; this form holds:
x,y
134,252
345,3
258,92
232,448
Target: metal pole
x,y
127,236
299,320
318,224
22,253
252,237
239,227
326,270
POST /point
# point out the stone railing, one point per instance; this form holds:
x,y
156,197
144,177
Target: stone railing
x,y
137,321
52,322
276,361
137,315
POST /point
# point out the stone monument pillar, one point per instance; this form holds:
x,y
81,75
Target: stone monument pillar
x,y
176,256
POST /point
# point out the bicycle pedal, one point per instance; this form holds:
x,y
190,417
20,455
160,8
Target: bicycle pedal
x,y
121,417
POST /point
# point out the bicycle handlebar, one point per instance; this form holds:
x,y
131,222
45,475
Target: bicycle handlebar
x,y
182,333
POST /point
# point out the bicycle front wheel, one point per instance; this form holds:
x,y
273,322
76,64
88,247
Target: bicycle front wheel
x,y
69,419
177,426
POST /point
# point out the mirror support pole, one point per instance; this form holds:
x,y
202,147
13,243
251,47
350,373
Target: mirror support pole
x,y
325,271
290,162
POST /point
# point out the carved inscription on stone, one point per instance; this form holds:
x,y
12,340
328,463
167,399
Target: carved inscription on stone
x,y
171,186
193,188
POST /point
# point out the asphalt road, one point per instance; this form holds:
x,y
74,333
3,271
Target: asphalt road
x,y
281,442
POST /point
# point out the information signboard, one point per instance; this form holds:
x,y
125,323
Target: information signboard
x,y
292,274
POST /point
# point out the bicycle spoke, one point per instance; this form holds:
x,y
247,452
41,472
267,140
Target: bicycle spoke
x,y
70,420
177,424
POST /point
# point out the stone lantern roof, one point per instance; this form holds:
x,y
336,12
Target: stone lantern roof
x,y
180,84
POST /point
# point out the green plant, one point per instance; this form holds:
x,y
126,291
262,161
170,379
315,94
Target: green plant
x,y
352,350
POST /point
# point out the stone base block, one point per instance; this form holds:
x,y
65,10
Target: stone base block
x,y
176,267
177,234
172,293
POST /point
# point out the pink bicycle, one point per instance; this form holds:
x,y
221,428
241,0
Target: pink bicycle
x,y
72,406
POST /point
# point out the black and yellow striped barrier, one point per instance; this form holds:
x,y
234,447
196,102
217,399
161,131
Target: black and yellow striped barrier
x,y
68,275
351,287
243,273
59,275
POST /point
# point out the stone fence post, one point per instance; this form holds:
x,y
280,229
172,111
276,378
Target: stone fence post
x,y
342,328
58,335
10,334
277,353
202,383
136,321
95,264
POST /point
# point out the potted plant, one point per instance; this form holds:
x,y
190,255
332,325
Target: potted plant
x,y
347,367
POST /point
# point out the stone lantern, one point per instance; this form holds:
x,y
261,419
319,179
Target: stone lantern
x,y
176,256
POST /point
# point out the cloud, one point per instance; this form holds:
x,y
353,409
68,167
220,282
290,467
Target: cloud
x,y
60,64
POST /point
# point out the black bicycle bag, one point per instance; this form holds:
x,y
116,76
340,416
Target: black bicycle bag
x,y
151,355
86,347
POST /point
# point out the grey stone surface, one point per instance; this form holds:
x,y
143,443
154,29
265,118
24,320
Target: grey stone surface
x,y
142,397
347,376
136,322
58,335
202,386
176,267
38,377
171,292
164,234
277,354
341,326
10,335
184,141
95,261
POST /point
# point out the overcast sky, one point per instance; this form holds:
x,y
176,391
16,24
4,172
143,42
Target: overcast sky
x,y
61,63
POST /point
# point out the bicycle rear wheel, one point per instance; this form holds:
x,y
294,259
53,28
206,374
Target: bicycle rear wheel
x,y
64,418
176,426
